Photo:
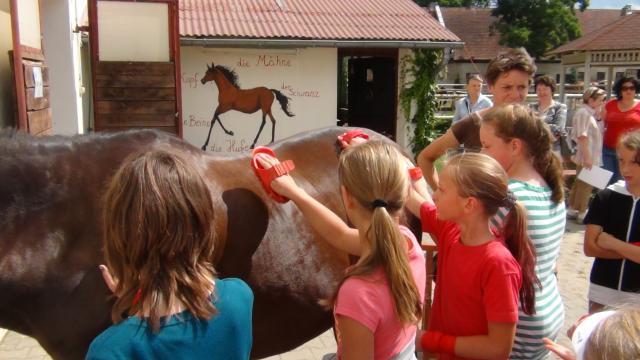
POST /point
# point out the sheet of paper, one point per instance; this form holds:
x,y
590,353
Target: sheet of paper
x,y
37,80
596,176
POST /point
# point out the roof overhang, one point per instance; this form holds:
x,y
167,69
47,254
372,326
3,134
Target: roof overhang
x,y
302,43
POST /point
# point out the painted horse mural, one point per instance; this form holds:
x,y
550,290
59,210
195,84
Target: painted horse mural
x,y
50,241
248,101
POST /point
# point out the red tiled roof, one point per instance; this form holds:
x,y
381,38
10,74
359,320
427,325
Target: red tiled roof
x,y
594,19
621,34
472,25
310,19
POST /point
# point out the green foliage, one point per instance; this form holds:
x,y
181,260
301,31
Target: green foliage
x,y
537,25
419,94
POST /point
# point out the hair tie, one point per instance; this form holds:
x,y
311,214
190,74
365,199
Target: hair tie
x,y
379,203
511,199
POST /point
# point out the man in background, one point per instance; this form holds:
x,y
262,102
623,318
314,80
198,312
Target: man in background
x,y
474,100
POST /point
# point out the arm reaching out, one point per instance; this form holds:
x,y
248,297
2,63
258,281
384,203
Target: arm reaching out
x,y
323,220
429,155
418,195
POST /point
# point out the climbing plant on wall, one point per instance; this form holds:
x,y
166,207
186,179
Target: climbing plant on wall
x,y
419,72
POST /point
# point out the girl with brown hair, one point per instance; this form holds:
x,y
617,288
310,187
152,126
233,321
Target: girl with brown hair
x,y
159,242
482,273
521,142
379,301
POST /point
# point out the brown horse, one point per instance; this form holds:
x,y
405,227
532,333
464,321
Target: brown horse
x,y
50,285
248,101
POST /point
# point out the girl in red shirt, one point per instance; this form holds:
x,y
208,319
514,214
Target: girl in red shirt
x,y
482,273
622,115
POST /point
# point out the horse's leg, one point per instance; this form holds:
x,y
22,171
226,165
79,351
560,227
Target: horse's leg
x,y
213,120
273,126
264,121
228,132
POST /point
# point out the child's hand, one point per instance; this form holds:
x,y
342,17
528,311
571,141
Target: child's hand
x,y
354,141
108,279
420,186
561,351
283,185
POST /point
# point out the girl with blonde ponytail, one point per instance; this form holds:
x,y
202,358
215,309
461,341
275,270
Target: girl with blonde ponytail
x,y
522,143
482,273
379,301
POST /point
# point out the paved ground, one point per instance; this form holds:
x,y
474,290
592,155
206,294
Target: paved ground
x,y
573,270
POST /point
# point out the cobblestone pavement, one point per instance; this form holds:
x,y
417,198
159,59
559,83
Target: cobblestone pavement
x,y
573,270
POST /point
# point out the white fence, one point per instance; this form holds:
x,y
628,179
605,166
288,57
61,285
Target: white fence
x,y
449,93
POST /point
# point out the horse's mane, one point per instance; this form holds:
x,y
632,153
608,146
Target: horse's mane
x,y
230,75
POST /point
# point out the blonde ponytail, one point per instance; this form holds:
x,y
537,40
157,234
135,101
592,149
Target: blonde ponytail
x,y
388,251
374,173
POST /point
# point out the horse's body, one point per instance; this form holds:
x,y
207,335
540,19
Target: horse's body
x,y
248,101
50,242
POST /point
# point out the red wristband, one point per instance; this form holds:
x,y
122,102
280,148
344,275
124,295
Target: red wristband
x,y
437,342
415,173
637,243
448,344
430,341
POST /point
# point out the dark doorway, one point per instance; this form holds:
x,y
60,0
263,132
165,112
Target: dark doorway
x,y
371,89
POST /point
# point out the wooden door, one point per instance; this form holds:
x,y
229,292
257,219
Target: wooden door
x,y
30,73
134,87
371,91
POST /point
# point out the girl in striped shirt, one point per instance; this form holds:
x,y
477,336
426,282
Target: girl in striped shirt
x,y
521,143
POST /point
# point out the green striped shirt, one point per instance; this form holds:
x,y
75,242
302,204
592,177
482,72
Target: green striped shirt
x,y
545,227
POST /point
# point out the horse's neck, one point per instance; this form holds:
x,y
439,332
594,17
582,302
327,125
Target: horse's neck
x,y
225,85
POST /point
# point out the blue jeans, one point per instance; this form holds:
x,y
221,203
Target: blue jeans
x,y
610,162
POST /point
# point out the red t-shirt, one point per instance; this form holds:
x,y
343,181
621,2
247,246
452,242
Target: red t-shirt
x,y
618,122
475,285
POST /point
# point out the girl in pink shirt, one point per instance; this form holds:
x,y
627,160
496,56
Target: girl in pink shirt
x,y
482,274
379,301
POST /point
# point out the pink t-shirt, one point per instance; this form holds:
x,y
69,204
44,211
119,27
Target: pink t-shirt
x,y
475,285
368,300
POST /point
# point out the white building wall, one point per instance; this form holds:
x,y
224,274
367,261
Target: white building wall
x,y
133,31
62,56
29,23
404,129
308,76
